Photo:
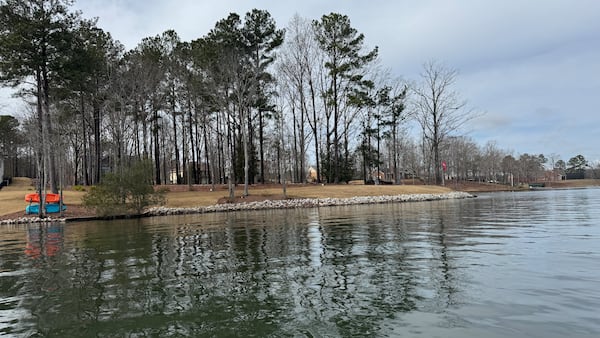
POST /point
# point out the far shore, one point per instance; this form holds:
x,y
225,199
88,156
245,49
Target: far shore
x,y
207,198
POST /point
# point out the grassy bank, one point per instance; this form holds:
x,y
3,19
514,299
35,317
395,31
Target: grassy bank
x,y
12,202
12,197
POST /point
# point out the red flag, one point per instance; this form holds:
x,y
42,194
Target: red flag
x,y
444,167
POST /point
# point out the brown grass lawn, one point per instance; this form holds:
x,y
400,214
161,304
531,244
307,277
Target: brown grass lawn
x,y
12,197
194,198
574,183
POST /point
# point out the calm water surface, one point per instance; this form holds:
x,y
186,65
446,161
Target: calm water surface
x,y
501,265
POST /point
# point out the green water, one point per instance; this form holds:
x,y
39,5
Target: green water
x,y
502,265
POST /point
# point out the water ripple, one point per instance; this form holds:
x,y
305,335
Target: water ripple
x,y
507,264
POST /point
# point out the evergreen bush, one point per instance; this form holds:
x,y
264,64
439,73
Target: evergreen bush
x,y
125,193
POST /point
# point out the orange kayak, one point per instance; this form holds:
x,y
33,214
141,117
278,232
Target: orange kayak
x,y
35,198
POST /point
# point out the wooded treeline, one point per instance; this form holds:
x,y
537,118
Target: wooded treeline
x,y
248,102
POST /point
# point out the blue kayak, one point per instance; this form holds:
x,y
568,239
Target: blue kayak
x,y
51,208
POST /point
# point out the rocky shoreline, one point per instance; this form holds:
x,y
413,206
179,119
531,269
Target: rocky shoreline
x,y
268,204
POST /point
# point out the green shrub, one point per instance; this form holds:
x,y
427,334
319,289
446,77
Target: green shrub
x,y
126,193
78,188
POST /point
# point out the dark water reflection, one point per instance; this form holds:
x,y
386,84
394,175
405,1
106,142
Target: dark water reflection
x,y
510,264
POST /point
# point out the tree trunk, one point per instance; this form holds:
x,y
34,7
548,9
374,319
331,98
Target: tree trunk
x,y
397,178
178,176
177,167
193,174
165,166
198,154
220,151
40,150
261,139
295,148
48,136
156,147
186,166
246,153
145,152
97,143
2,167
315,130
207,159
231,178
436,159
303,113
86,177
336,150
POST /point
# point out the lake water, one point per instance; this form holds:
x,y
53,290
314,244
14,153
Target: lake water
x,y
501,265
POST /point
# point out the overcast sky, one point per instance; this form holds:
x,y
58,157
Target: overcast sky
x,y
532,66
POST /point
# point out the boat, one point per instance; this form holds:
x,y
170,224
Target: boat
x,y
49,198
50,208
52,203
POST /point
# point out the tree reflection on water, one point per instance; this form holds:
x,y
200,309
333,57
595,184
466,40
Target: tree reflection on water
x,y
334,271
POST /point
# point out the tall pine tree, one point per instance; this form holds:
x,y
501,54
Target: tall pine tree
x,y
35,40
346,65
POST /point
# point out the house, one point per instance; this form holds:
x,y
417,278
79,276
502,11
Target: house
x,y
312,175
381,177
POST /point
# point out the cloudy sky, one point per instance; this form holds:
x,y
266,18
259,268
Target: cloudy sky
x,y
532,67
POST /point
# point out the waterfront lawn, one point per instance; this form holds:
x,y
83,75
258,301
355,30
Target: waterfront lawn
x,y
12,202
12,197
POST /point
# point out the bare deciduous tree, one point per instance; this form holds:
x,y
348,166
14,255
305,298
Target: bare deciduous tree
x,y
298,71
439,109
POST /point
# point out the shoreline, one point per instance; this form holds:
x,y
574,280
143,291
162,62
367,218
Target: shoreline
x,y
269,198
294,203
